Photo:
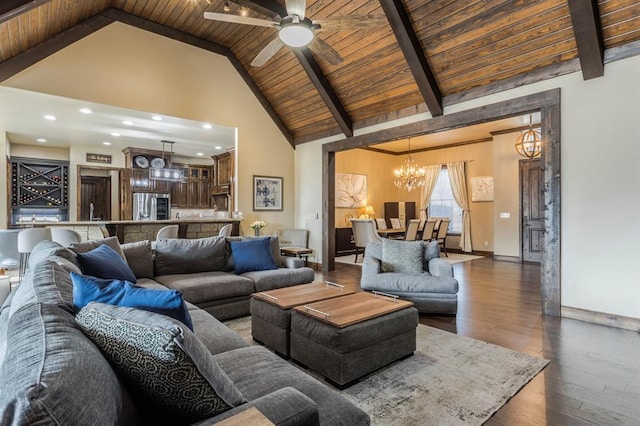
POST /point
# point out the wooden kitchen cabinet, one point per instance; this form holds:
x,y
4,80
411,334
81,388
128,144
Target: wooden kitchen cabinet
x,y
224,169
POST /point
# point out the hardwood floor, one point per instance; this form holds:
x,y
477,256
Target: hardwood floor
x,y
594,374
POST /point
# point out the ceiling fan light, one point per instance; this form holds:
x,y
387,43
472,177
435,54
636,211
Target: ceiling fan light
x,y
296,35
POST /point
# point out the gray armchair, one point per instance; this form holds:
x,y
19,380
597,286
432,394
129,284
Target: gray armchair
x,y
433,290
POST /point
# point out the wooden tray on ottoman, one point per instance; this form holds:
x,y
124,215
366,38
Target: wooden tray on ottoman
x,y
351,336
271,311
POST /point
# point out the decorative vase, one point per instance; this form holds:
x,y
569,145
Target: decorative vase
x,y
257,231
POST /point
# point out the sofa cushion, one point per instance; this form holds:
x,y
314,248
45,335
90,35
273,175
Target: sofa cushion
x,y
170,372
207,286
55,375
402,256
139,258
401,283
85,246
252,255
104,262
88,289
281,277
242,364
216,336
187,256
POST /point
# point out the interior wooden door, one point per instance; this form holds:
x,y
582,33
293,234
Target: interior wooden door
x,y
96,190
532,203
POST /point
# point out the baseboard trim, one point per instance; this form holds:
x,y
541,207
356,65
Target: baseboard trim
x,y
514,259
315,266
611,320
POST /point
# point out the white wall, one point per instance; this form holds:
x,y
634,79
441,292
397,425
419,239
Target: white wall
x,y
600,178
506,190
4,195
131,68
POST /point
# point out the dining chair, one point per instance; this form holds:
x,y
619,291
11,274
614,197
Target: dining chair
x,y
381,223
441,237
64,236
166,232
395,223
429,227
364,231
412,230
27,240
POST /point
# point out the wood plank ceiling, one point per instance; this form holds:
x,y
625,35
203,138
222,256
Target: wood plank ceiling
x,y
450,48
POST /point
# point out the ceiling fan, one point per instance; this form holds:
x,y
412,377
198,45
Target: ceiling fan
x,y
296,30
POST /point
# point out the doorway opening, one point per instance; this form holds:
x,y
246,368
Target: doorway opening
x,y
98,194
548,103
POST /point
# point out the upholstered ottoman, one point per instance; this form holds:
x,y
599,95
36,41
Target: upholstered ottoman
x,y
344,354
271,311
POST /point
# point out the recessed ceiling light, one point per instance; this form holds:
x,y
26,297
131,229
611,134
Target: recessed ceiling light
x,y
115,134
207,126
41,140
85,110
200,154
127,123
106,143
156,118
218,147
50,117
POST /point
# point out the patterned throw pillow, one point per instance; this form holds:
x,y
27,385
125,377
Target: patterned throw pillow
x,y
401,256
170,373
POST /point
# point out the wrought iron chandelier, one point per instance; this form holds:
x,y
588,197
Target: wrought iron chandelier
x,y
409,175
529,142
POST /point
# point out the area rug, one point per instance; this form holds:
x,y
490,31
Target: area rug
x,y
450,380
453,258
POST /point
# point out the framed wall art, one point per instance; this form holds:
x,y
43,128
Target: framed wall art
x,y
351,190
267,193
482,188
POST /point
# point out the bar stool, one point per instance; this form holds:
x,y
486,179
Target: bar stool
x,y
27,240
64,236
9,255
169,231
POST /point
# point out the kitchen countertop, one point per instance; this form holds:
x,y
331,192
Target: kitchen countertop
x,y
131,222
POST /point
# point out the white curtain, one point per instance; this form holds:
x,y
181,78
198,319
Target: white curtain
x,y
431,174
458,178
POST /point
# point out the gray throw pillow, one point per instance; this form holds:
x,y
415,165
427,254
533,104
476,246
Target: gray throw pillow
x,y
140,258
189,256
86,246
401,256
431,251
170,373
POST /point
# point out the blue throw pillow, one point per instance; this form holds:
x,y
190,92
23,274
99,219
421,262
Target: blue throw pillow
x,y
252,255
88,289
105,262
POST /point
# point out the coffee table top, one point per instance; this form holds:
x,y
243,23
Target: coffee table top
x,y
289,297
352,309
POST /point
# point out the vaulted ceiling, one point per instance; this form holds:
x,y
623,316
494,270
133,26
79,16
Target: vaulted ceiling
x,y
425,55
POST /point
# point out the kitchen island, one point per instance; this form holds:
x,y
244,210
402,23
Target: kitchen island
x,y
129,231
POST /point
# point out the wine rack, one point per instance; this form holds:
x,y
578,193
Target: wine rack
x,y
39,184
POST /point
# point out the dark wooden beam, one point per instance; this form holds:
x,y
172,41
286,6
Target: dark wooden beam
x,y
588,33
11,8
24,60
325,90
410,46
313,70
135,21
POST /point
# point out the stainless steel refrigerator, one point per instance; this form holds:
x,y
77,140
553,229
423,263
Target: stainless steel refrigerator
x,y
147,206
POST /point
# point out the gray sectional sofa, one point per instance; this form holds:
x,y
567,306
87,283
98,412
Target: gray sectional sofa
x,y
54,371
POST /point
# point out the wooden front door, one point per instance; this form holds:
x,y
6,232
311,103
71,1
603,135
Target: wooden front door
x,y
532,203
96,190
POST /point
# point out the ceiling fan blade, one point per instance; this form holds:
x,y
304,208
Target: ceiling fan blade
x,y
235,19
296,7
327,52
351,22
267,52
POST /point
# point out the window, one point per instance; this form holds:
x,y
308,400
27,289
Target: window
x,y
443,204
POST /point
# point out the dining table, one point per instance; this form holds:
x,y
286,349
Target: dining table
x,y
392,232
